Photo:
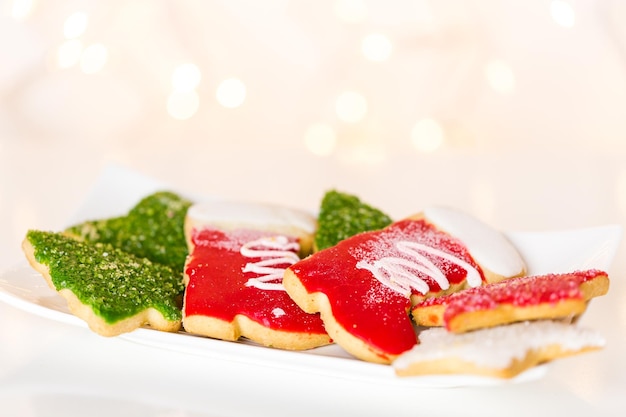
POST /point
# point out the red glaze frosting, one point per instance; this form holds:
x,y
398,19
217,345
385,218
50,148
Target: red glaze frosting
x,y
518,292
361,304
217,285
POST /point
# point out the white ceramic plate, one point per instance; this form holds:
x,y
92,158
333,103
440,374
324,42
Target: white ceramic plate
x,y
24,288
559,251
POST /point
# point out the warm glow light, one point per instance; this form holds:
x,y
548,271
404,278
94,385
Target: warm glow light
x,y
483,198
366,154
75,25
351,11
562,13
186,77
231,93
351,107
376,47
320,139
21,9
93,58
500,76
620,192
427,135
183,105
69,53
622,307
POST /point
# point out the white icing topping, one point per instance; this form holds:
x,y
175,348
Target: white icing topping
x,y
490,248
279,251
399,273
497,347
245,213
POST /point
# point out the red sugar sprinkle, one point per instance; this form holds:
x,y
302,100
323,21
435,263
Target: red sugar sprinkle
x,y
519,292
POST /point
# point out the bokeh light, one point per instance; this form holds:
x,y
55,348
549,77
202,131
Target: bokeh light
x,y
500,76
320,139
68,53
427,135
75,25
562,13
351,107
351,11
186,77
231,93
183,105
21,9
376,47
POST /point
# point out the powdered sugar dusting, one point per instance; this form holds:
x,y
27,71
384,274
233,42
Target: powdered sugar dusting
x,y
497,347
379,295
411,256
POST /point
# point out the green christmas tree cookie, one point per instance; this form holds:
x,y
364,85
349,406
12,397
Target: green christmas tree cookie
x,y
153,229
343,215
113,291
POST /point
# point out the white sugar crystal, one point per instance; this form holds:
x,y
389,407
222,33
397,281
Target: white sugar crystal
x,y
496,347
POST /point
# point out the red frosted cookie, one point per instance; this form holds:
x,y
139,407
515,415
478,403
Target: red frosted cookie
x,y
523,298
363,286
233,275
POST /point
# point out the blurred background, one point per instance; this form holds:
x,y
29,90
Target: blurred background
x,y
515,111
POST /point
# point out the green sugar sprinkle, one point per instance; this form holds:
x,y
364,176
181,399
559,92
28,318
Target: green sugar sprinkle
x,y
344,215
153,229
115,284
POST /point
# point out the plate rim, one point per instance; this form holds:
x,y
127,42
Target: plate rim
x,y
316,362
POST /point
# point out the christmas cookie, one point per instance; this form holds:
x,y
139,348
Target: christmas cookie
x,y
489,247
233,275
152,229
343,215
548,296
502,351
363,285
113,291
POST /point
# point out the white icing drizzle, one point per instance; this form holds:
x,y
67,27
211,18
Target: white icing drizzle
x,y
497,347
279,251
398,273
